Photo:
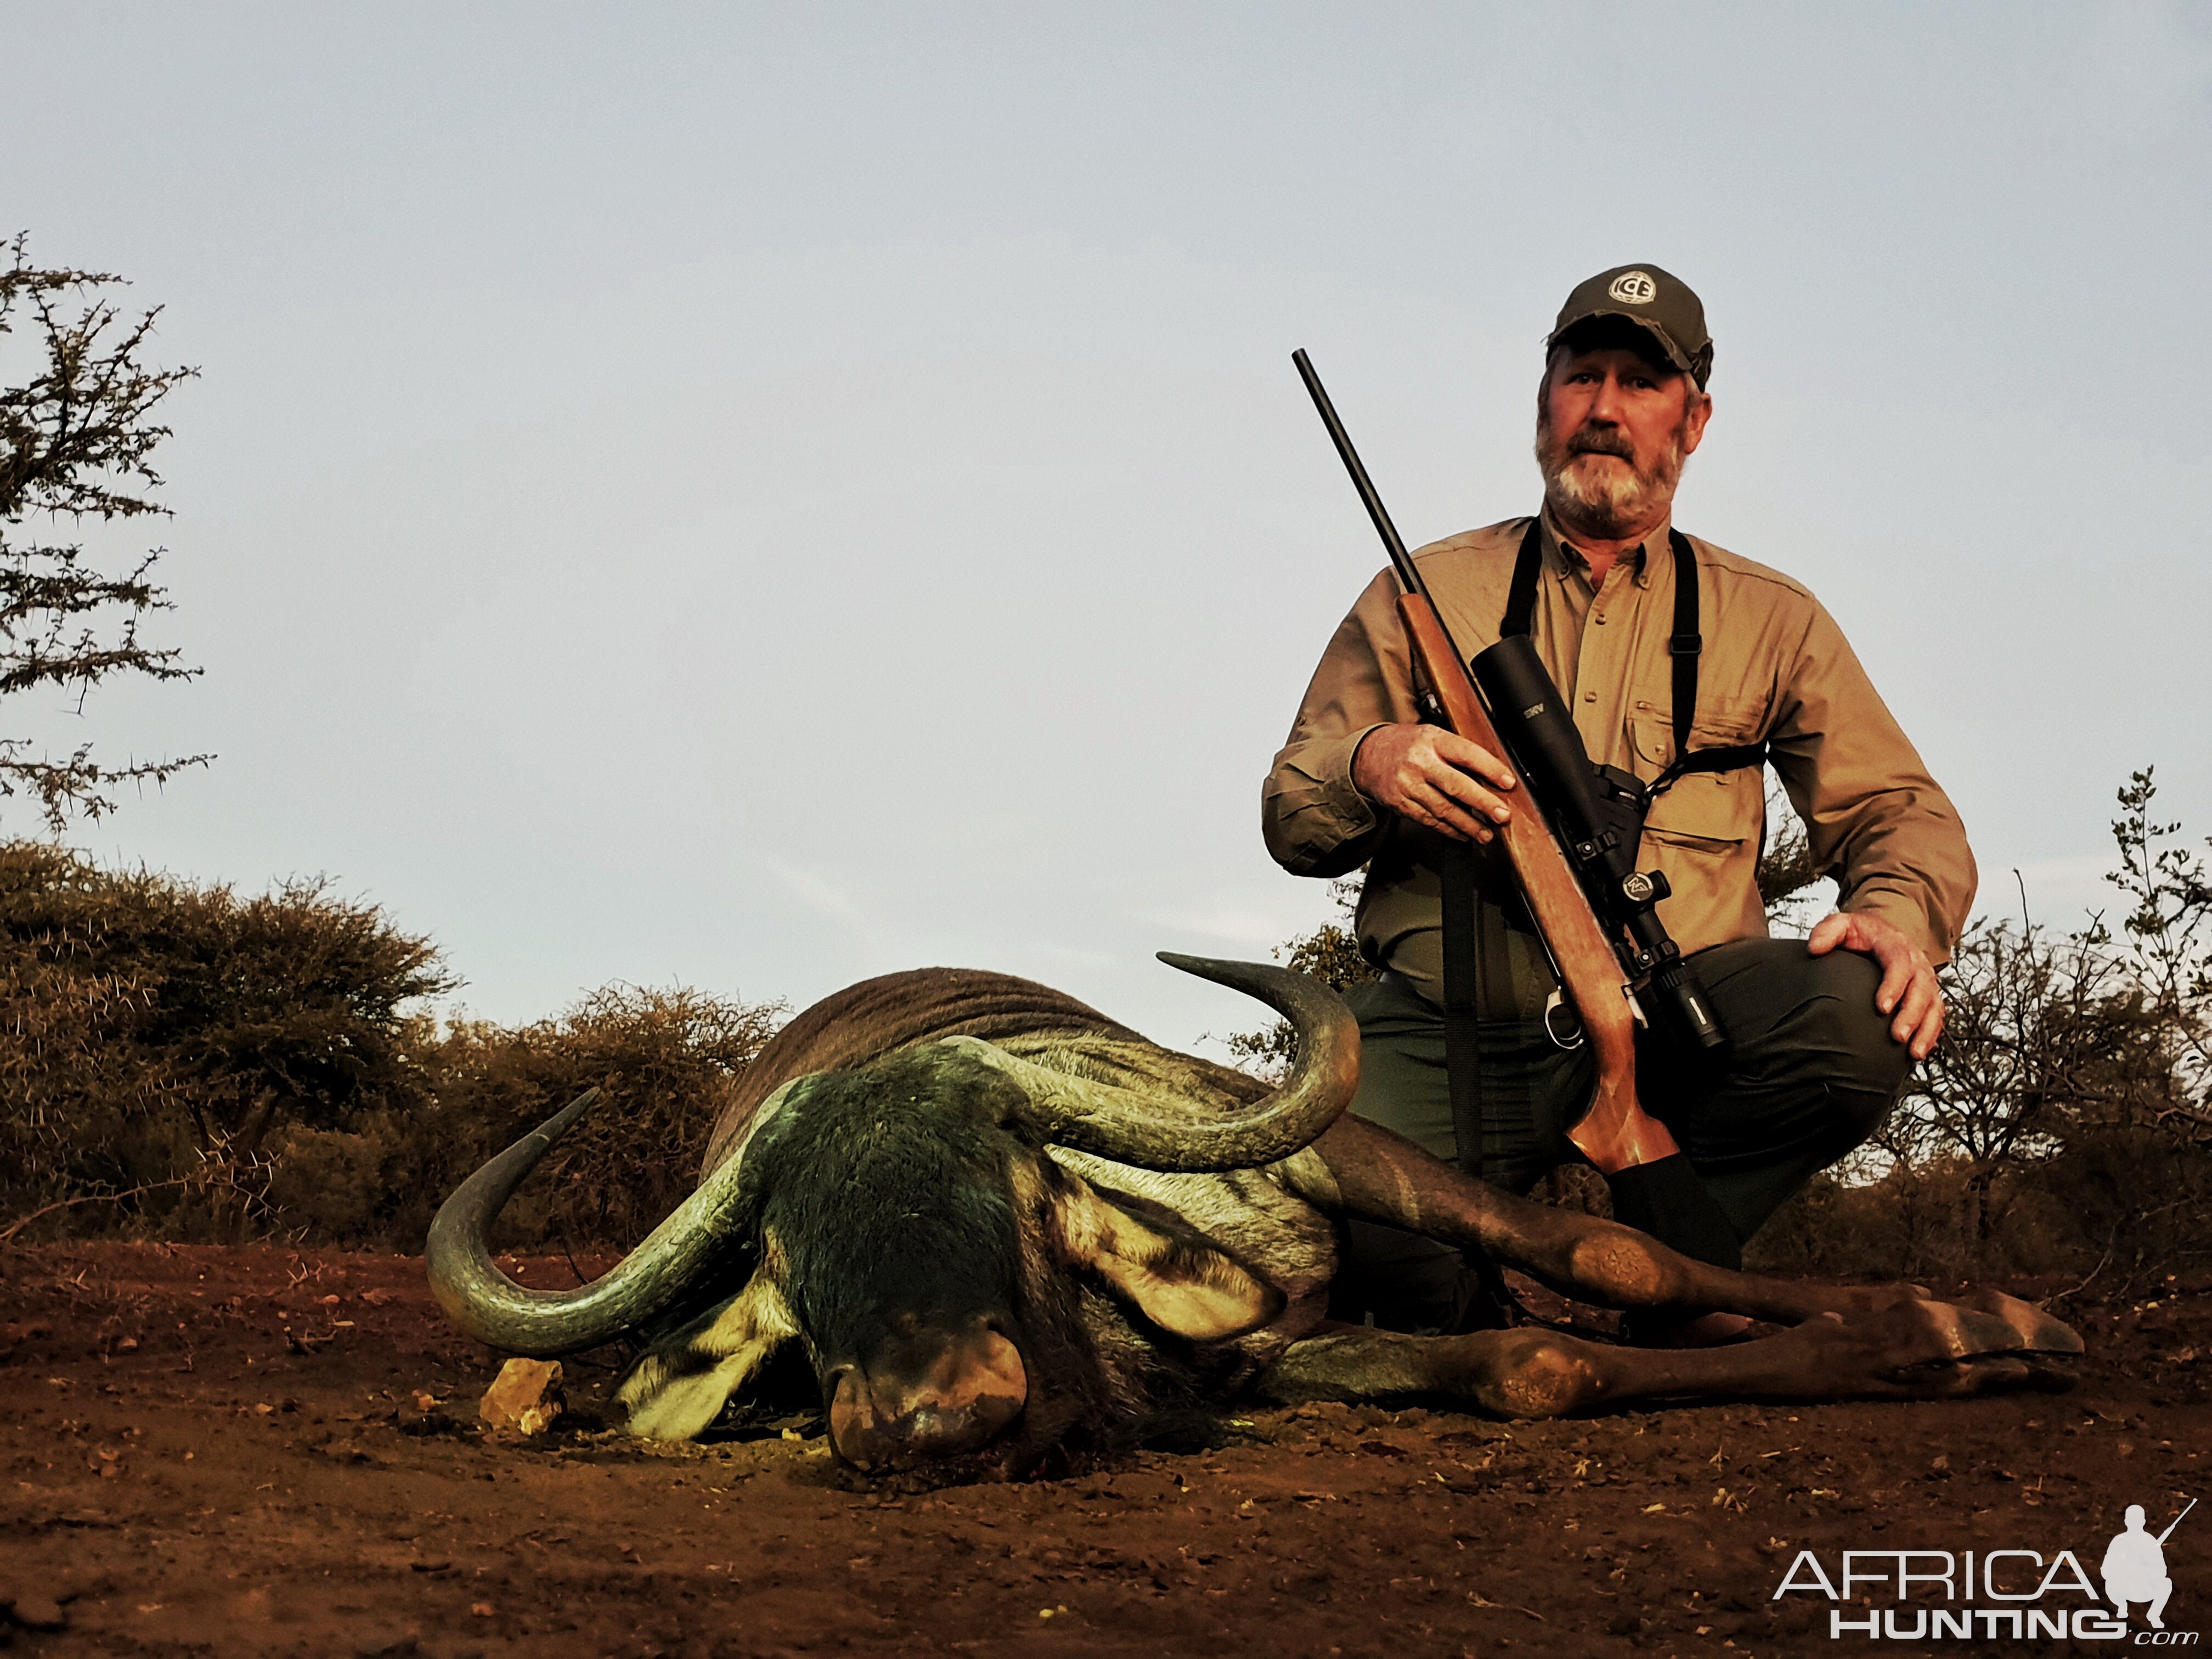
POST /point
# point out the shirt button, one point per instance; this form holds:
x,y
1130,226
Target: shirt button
x,y
1601,619
1589,696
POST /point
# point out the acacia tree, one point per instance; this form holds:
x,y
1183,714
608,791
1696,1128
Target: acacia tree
x,y
2074,1066
2168,943
76,439
2050,1038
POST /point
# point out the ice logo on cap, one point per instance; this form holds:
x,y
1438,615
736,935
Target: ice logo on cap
x,y
1634,287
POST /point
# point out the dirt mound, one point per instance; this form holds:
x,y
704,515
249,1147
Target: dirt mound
x,y
248,1451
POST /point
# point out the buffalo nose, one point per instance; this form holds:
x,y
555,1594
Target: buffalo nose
x,y
934,1397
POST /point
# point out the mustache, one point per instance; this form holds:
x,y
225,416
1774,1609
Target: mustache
x,y
1601,441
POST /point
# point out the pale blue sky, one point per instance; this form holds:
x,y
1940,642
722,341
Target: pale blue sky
x,y
763,496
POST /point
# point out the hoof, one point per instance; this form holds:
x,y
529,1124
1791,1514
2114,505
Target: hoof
x,y
1989,1373
1924,1350
2036,1330
1959,1379
1986,1326
1958,1332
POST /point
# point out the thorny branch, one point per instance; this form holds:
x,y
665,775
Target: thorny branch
x,y
76,441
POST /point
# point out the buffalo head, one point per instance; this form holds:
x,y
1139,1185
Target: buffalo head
x,y
956,1289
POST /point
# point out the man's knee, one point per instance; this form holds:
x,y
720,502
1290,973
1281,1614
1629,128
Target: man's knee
x,y
1842,1023
1863,1068
1813,1061
1805,1018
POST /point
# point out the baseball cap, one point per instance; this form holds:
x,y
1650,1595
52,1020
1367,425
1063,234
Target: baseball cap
x,y
1661,303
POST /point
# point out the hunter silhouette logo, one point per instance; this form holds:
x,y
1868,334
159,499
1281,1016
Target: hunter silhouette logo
x,y
1634,287
2135,1566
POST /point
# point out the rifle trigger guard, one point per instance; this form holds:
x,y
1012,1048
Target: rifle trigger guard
x,y
1557,1003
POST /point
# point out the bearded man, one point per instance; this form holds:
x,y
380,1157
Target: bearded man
x,y
1823,1032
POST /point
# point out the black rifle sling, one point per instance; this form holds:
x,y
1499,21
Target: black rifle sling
x,y
1464,1001
1463,1050
1686,646
1463,1010
1521,599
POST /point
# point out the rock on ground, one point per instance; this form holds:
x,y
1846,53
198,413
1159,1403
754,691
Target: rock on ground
x,y
526,1396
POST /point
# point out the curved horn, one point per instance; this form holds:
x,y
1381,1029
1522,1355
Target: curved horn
x,y
1134,1128
487,1304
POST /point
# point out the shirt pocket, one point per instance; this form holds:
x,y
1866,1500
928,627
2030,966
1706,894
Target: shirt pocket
x,y
1722,723
1716,812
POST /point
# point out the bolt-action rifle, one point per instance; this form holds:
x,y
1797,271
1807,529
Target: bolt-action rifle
x,y
1571,869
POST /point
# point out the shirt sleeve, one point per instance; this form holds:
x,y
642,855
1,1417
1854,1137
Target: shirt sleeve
x,y
1314,822
1877,824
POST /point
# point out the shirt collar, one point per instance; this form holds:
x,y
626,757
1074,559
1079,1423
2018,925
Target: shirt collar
x,y
1562,560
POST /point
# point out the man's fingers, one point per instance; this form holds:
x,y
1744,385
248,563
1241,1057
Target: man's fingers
x,y
1931,1031
1909,991
1827,934
1919,1022
1471,756
1919,1000
1431,821
1457,827
1429,804
1896,976
1434,777
1464,791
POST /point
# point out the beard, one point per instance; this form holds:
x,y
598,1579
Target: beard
x,y
1606,497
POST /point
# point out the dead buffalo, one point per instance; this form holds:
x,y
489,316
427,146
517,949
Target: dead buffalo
x,y
996,1223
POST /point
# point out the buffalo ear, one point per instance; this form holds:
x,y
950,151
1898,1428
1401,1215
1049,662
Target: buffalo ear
x,y
684,1380
1180,1282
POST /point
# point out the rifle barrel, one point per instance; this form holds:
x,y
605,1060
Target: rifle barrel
x,y
2176,1521
1408,578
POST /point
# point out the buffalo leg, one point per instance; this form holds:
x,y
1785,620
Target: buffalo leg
x,y
1379,1176
1912,1350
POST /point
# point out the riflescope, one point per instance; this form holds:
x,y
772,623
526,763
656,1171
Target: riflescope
x,y
1599,812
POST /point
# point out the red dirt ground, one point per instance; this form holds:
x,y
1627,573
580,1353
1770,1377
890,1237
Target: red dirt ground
x,y
228,1451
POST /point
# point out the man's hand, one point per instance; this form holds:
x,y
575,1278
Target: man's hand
x,y
1908,984
1430,776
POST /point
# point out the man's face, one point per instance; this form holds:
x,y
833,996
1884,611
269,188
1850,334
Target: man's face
x,y
1612,433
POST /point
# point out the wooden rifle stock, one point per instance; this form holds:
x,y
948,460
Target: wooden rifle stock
x,y
1616,1133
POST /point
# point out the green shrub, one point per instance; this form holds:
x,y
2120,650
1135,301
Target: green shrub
x,y
149,1027
663,1061
216,1065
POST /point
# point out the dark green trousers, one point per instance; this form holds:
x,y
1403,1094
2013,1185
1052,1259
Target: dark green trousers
x,y
1811,1070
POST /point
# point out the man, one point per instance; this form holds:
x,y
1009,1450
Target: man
x,y
1823,1031
2134,1569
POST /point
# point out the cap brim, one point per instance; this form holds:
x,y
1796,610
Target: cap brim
x,y
1673,353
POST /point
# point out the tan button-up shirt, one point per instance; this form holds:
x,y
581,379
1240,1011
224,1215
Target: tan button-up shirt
x,y
1775,666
